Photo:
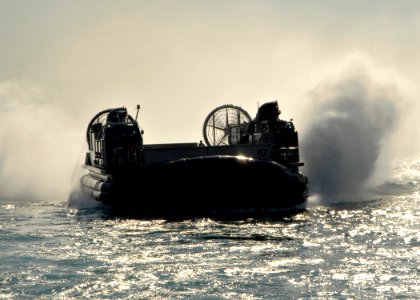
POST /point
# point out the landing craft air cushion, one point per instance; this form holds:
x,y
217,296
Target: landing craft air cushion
x,y
246,166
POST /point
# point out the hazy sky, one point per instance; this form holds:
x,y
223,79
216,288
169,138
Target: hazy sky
x,y
180,59
62,61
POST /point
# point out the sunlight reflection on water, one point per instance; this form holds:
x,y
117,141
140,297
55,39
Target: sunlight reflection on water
x,y
349,250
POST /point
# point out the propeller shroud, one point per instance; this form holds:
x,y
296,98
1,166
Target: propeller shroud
x,y
225,125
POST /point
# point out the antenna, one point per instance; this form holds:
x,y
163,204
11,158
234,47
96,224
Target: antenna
x,y
138,108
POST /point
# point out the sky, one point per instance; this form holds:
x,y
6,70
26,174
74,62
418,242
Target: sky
x,y
63,61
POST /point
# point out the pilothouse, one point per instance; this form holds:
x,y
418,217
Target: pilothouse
x,y
115,141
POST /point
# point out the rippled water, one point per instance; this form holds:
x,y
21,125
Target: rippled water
x,y
367,249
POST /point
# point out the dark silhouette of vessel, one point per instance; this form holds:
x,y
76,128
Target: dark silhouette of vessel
x,y
245,167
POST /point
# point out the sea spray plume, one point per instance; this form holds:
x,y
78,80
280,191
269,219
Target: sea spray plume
x,y
346,133
37,142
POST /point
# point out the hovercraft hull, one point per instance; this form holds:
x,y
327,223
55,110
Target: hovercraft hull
x,y
246,166
202,186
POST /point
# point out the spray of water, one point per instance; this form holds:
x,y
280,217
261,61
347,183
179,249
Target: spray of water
x,y
38,144
350,124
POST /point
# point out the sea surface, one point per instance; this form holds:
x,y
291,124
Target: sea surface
x,y
366,249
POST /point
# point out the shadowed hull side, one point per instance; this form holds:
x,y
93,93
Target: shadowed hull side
x,y
203,186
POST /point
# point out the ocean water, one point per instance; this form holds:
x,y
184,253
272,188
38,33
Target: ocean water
x,y
367,249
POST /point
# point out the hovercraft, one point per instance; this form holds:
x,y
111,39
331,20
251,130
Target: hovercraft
x,y
245,167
